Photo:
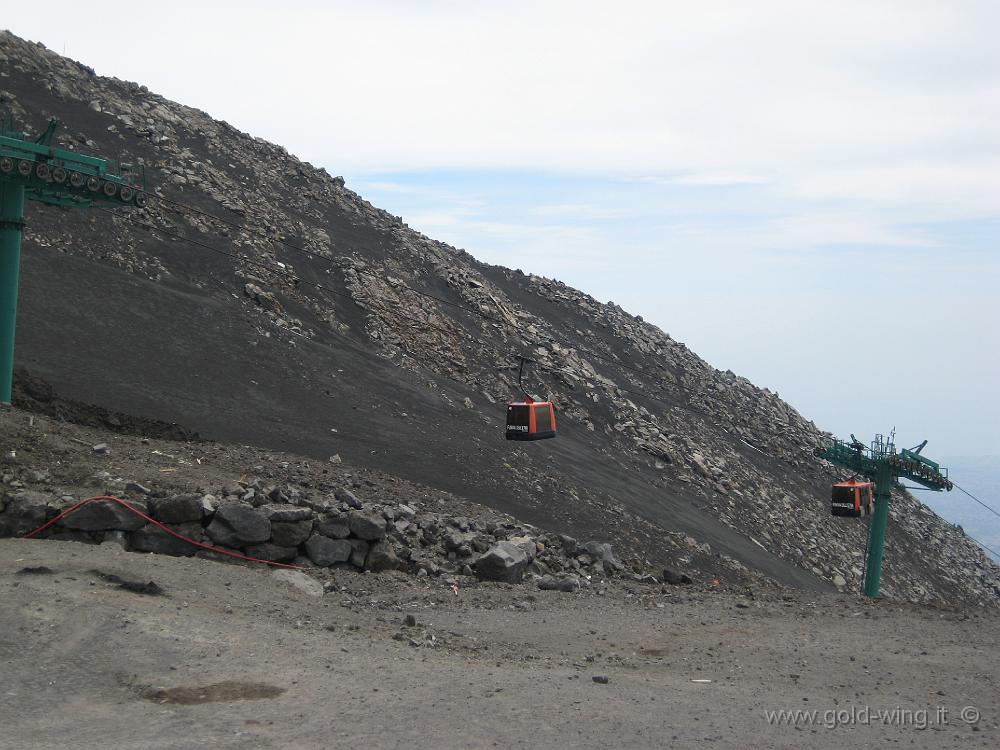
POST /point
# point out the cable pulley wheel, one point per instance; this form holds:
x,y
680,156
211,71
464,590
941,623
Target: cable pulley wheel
x,y
24,168
126,193
59,175
141,199
110,189
6,165
76,179
93,184
42,171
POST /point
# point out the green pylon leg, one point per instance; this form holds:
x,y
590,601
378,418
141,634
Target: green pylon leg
x,y
11,223
876,536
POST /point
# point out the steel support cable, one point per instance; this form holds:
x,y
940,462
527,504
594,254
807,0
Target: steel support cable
x,y
989,508
148,519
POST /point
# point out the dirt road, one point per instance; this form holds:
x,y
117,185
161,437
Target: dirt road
x,y
237,657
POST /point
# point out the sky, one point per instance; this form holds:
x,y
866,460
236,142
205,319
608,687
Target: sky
x,y
806,193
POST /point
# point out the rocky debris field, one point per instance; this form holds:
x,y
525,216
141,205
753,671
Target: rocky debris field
x,y
230,656
322,325
281,508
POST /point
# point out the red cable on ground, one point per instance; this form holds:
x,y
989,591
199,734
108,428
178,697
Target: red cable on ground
x,y
153,521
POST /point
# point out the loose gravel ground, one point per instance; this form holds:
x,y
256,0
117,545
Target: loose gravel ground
x,y
231,656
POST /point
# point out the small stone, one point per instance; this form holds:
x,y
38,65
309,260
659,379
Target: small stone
x,y
102,449
601,679
335,459
410,621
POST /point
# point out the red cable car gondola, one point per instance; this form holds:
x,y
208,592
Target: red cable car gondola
x,y
852,498
530,419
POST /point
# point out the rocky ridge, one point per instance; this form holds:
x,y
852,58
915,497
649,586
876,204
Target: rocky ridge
x,y
709,440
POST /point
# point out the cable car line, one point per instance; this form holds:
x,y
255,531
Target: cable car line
x,y
296,279
989,508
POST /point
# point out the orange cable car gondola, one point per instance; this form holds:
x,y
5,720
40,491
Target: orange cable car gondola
x,y
530,419
852,498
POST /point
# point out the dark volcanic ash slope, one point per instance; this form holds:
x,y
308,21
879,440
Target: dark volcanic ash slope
x,y
232,337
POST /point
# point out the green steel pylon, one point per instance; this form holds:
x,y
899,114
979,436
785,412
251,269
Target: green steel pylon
x,y
882,465
38,171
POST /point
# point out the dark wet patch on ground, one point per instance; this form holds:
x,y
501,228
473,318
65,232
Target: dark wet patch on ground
x,y
219,692
35,570
149,588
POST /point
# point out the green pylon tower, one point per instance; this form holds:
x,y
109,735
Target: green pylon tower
x,y
37,171
882,465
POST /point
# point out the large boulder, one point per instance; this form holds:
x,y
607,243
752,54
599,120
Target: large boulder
x,y
359,552
176,509
335,527
151,538
551,583
600,551
325,551
290,533
527,544
504,561
272,552
382,557
286,513
105,515
24,512
348,498
237,525
368,526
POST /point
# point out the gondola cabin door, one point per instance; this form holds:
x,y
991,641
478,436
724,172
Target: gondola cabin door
x,y
531,420
852,498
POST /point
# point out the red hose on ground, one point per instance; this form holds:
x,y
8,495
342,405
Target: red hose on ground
x,y
153,521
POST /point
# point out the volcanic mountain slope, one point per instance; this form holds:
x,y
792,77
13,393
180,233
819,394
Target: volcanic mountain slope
x,y
259,300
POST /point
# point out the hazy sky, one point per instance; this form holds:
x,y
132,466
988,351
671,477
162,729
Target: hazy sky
x,y
805,193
